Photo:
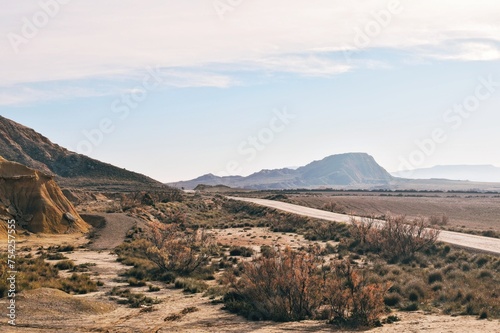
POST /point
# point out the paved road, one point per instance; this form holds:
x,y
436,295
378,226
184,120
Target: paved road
x,y
486,244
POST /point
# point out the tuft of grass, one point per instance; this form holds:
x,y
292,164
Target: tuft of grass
x,y
411,307
134,300
153,288
133,282
190,285
79,284
56,256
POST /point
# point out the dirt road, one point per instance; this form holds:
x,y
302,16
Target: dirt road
x,y
486,244
114,231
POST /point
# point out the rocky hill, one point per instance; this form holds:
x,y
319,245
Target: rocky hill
x,y
344,170
35,201
21,144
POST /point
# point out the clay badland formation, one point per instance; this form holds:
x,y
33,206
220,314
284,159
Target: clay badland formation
x,y
35,201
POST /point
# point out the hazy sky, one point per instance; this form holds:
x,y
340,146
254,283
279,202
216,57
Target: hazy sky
x,y
177,89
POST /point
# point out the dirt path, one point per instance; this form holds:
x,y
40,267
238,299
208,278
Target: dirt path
x,y
487,244
114,232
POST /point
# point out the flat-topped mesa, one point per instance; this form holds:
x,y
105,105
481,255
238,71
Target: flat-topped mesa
x,y
35,201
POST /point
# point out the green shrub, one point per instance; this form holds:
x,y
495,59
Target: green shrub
x,y
242,251
78,284
435,277
484,314
65,265
56,256
392,299
411,307
485,274
481,261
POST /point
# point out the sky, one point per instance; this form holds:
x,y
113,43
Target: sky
x,y
177,89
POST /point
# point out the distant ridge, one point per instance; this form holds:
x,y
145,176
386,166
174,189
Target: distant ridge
x,y
21,144
477,173
344,170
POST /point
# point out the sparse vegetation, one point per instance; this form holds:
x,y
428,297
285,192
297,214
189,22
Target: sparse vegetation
x,y
189,285
423,276
125,296
290,286
35,273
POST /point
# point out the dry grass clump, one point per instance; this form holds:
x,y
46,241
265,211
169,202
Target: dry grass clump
x,y
35,273
125,296
189,285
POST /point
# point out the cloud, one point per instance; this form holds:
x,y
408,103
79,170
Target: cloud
x,y
184,79
469,51
309,65
20,95
110,39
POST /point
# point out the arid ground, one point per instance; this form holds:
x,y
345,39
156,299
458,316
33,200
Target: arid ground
x,y
50,310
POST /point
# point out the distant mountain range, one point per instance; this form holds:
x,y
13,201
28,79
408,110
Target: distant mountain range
x,y
344,170
21,144
477,173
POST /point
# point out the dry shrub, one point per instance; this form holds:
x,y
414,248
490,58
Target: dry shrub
x,y
292,286
326,230
352,298
175,250
334,207
441,220
281,288
396,238
285,222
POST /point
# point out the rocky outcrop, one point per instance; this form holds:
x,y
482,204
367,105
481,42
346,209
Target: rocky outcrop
x,y
35,201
